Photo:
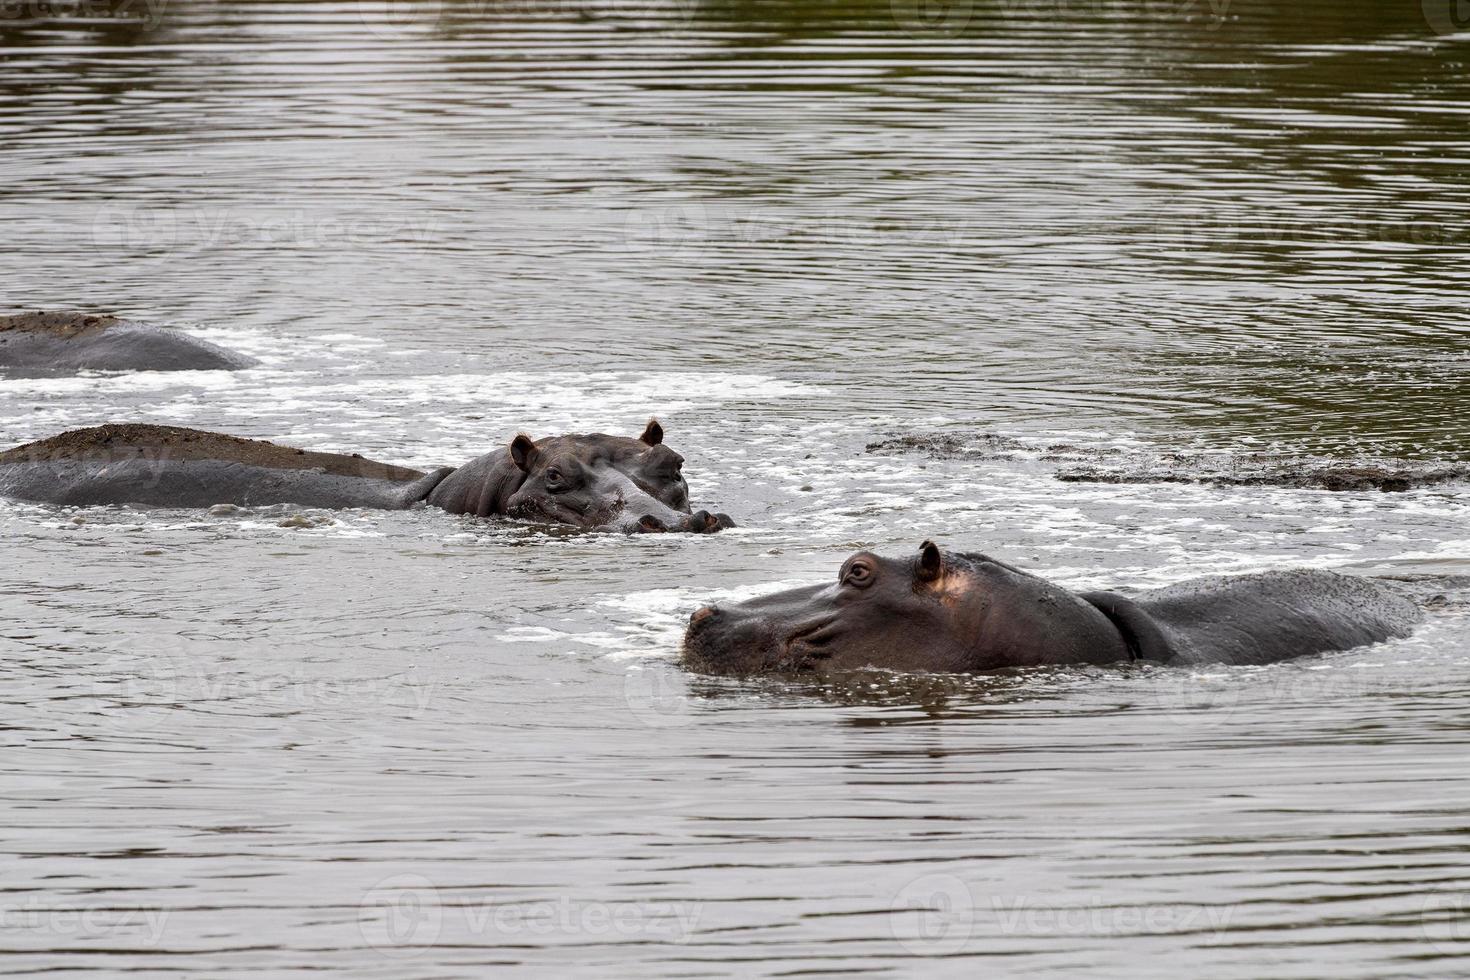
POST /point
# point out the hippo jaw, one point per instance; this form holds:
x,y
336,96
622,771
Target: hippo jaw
x,y
930,613
786,632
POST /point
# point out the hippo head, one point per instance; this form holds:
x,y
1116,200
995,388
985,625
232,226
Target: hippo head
x,y
605,482
931,612
654,467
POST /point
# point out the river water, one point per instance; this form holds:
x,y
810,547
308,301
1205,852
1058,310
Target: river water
x,y
409,744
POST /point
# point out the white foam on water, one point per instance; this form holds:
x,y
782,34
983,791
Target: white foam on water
x,y
656,618
100,383
331,528
1457,550
531,634
356,340
416,420
649,624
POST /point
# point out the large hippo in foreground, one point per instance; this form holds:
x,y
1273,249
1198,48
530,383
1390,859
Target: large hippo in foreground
x,y
968,612
47,344
589,481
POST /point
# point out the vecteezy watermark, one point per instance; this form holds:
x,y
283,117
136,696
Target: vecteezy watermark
x,y
933,915
1224,227
138,465
658,698
143,467
1024,917
128,925
165,233
406,914
1216,696
932,18
1447,16
683,227
392,19
941,915
401,915
132,688
149,13
690,227
1187,698
1445,919
141,685
950,18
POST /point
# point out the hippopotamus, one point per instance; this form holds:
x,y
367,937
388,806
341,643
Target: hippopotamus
x,y
964,612
48,344
594,481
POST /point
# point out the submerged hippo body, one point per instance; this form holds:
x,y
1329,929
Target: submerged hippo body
x,y
968,612
51,344
166,466
599,481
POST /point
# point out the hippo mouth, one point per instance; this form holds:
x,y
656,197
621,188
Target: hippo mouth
x,y
617,520
801,631
536,512
810,644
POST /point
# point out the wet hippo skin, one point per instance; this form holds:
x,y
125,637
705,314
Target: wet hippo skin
x,y
52,344
969,612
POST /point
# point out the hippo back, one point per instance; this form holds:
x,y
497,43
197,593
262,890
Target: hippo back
x,y
45,344
1260,618
168,466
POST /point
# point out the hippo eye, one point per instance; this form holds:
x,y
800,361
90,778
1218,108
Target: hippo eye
x,y
859,574
554,479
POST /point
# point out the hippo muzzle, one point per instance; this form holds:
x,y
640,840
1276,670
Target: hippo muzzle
x,y
787,631
602,497
699,522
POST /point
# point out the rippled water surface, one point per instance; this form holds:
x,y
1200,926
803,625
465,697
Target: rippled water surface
x,y
409,744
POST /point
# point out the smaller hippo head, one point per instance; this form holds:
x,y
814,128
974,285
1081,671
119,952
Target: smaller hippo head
x,y
930,612
602,481
657,469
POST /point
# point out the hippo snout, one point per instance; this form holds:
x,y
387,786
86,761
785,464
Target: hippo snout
x,y
729,639
703,522
705,639
790,630
648,524
699,522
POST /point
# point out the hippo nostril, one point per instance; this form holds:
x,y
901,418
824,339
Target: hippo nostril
x,y
650,523
701,614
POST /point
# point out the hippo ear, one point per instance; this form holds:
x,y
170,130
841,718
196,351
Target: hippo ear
x,y
931,562
522,451
653,434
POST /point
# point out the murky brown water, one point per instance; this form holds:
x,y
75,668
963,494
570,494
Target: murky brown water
x,y
410,745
